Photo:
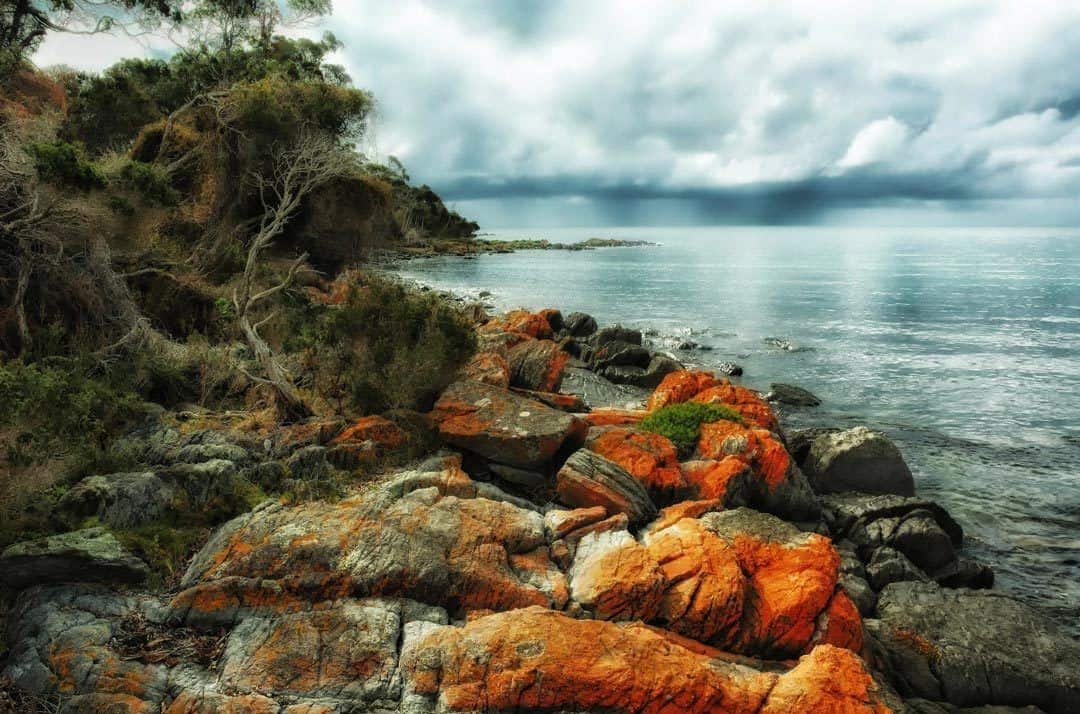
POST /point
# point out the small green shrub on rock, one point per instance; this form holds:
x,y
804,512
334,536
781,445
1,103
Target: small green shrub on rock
x,y
681,423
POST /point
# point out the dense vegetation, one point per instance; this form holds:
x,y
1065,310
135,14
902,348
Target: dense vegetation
x,y
681,423
172,234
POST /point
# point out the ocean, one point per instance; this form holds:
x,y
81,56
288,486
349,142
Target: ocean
x,y
961,345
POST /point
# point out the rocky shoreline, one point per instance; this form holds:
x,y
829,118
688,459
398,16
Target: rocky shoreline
x,y
472,247
562,547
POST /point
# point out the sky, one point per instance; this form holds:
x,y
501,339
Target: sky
x,y
550,112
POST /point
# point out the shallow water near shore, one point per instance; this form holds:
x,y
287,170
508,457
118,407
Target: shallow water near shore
x,y
962,345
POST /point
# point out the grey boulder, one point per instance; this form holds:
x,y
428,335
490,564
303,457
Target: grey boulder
x,y
858,460
975,647
87,555
791,394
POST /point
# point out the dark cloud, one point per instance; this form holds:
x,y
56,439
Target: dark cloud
x,y
727,114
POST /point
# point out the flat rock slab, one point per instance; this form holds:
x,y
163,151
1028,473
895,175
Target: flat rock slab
x,y
504,427
975,647
88,555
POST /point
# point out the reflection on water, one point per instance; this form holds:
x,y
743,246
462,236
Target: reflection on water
x,y
964,346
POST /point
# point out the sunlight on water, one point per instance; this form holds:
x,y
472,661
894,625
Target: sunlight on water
x,y
963,345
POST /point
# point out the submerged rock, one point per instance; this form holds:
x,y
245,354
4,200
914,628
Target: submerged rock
x,y
858,460
87,555
791,394
974,648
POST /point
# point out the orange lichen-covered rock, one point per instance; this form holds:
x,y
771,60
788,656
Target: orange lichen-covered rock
x,y
740,580
679,387
370,434
757,447
489,368
684,509
523,322
793,576
614,417
830,679
502,426
726,479
773,482
616,578
535,659
347,651
705,586
203,702
406,537
650,458
537,365
840,623
752,407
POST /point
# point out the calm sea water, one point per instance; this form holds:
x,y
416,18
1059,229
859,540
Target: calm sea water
x,y
962,345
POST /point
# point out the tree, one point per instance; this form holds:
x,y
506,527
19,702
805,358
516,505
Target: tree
x,y
24,23
296,170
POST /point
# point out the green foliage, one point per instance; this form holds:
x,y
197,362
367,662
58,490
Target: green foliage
x,y
60,409
166,548
273,109
64,163
386,347
121,205
681,423
150,181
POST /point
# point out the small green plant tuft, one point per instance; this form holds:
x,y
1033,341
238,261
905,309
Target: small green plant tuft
x,y
681,423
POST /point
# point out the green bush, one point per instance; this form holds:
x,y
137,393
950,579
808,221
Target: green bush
x,y
150,181
64,163
59,408
681,423
386,347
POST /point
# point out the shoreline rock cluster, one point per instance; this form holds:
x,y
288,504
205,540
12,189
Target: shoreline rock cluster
x,y
553,555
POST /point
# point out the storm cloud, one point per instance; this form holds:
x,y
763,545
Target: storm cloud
x,y
562,111
743,112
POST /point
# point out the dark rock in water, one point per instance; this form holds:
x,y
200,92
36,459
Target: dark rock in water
x,y
484,293
619,353
922,530
599,392
730,369
88,555
790,394
851,513
974,647
578,324
647,377
687,345
889,566
799,442
588,479
858,460
620,374
964,573
617,333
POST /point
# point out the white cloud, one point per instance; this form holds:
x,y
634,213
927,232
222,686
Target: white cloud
x,y
877,141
